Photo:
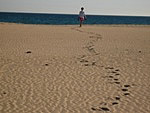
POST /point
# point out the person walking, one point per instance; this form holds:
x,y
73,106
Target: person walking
x,y
82,16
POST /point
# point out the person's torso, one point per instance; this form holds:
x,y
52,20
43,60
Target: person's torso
x,y
81,14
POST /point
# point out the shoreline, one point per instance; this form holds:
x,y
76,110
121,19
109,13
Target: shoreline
x,y
114,25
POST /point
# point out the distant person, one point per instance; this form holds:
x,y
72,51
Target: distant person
x,y
82,16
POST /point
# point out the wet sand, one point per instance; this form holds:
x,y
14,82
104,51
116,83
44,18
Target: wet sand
x,y
68,69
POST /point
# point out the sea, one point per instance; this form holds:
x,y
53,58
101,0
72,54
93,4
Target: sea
x,y
70,19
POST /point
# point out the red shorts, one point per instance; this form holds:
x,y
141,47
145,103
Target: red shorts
x,y
81,18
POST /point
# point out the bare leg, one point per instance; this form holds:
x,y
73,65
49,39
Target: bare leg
x,y
80,23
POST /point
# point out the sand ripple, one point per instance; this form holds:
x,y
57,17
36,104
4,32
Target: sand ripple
x,y
100,78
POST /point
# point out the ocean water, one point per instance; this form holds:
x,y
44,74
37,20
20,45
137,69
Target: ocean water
x,y
67,19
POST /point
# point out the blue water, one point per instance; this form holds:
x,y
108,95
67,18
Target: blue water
x,y
64,19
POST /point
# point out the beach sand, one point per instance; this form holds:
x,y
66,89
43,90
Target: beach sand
x,y
68,69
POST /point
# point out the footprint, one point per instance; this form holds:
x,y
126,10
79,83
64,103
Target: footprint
x,y
115,103
116,79
104,108
103,103
83,56
110,76
124,89
140,51
86,64
97,53
94,109
46,64
134,85
126,85
4,93
113,72
126,94
91,36
90,49
117,74
83,60
28,52
99,37
109,68
117,82
106,67
117,98
93,63
117,70
98,34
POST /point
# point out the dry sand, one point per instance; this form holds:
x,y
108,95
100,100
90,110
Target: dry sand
x,y
67,69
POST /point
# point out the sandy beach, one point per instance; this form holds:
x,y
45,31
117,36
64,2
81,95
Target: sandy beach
x,y
68,69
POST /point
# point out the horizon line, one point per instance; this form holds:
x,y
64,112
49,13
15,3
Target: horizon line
x,y
72,13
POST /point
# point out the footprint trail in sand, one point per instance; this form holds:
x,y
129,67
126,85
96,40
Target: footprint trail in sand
x,y
65,69
113,76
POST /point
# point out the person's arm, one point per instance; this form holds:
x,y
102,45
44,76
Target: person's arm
x,y
85,17
78,18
